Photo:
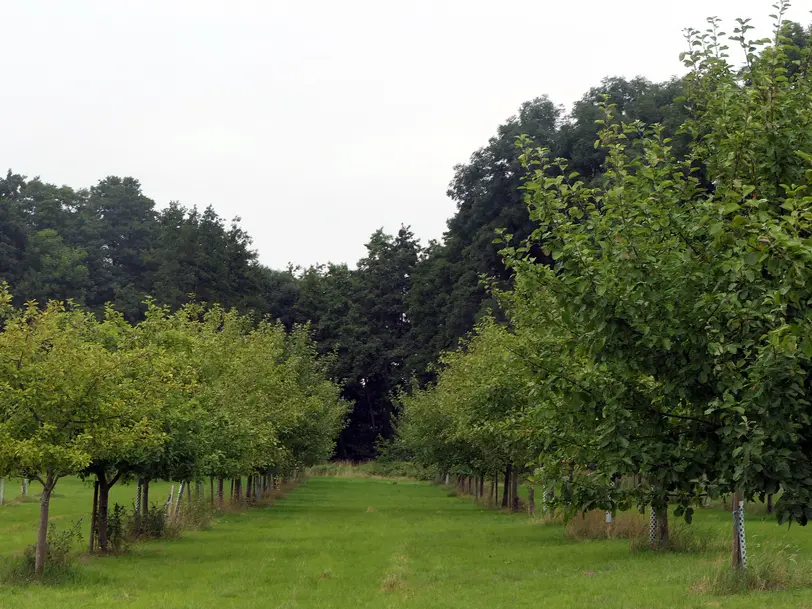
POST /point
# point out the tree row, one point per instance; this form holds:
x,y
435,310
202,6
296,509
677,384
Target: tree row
x,y
199,392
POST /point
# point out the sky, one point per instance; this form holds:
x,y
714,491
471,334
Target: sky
x,y
316,122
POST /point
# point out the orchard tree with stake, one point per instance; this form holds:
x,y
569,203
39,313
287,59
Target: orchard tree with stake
x,y
686,281
670,341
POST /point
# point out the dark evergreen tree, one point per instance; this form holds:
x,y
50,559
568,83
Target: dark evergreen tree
x,y
128,233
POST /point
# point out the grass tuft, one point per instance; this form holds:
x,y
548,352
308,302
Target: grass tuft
x,y
61,565
687,538
392,582
543,519
395,578
19,571
635,527
592,525
767,569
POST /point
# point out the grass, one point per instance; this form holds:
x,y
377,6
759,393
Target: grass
x,y
71,501
339,542
776,570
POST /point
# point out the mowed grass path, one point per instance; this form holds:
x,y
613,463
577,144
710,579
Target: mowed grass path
x,y
350,543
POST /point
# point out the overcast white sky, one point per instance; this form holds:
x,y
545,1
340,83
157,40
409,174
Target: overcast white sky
x,y
316,122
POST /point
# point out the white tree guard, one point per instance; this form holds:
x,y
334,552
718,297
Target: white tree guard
x,y
738,531
138,493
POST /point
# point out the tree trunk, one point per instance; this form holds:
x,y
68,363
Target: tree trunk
x,y
769,503
531,500
476,488
248,488
138,496
145,502
42,533
101,517
211,489
506,490
515,491
482,486
2,490
220,491
492,495
24,488
104,499
94,516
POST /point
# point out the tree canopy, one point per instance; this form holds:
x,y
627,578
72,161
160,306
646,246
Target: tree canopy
x,y
662,352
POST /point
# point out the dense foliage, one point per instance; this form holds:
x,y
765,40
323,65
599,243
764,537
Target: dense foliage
x,y
665,355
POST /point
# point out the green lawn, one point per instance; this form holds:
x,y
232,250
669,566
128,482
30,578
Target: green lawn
x,y
352,542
